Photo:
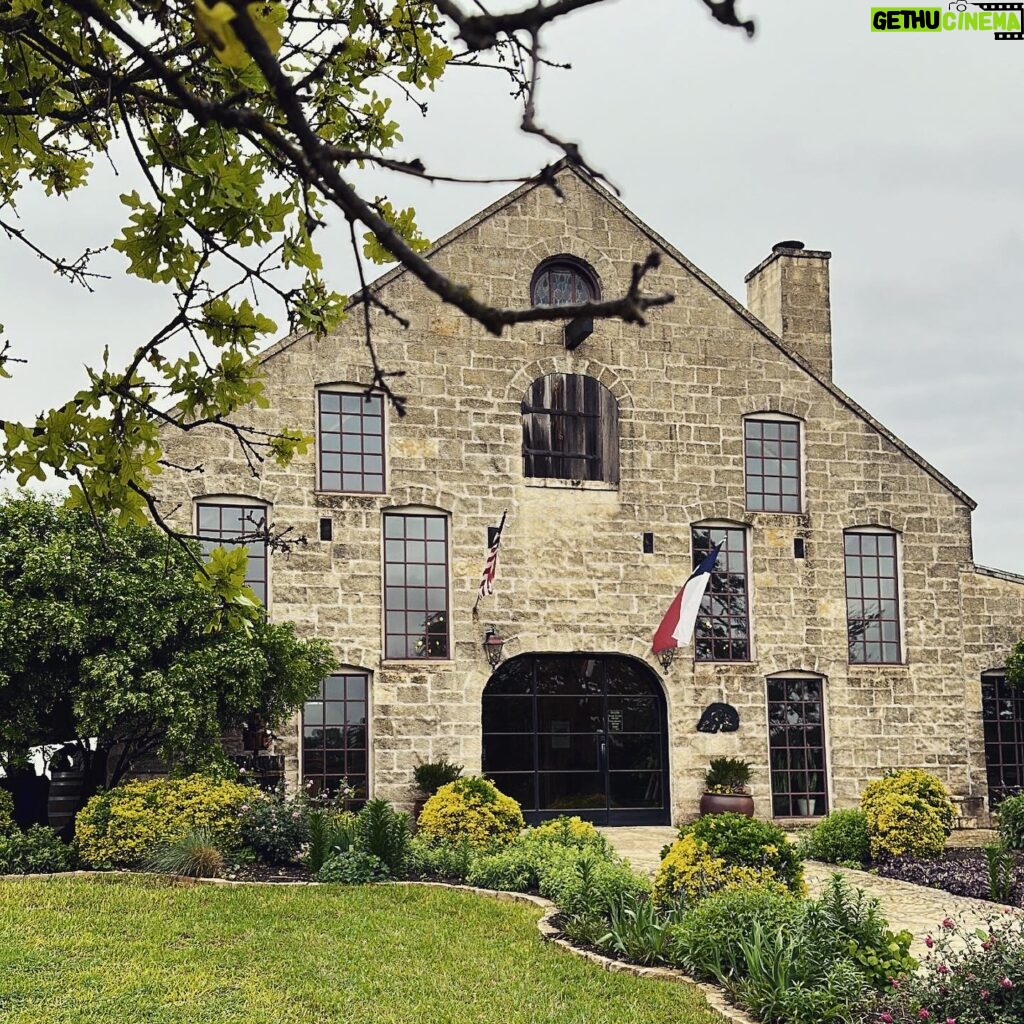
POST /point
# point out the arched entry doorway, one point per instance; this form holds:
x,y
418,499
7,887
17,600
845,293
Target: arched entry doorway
x,y
578,734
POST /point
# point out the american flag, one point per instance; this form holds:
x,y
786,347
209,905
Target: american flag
x,y
491,565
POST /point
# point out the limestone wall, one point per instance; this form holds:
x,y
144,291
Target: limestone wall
x,y
572,575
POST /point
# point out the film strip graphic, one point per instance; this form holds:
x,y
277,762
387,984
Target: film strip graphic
x,y
1018,7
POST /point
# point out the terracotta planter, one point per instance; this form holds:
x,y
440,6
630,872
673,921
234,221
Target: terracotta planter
x,y
727,803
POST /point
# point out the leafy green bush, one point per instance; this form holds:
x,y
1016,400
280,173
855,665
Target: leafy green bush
x,y
446,861
384,833
582,883
1011,822
6,813
566,831
689,872
705,941
37,851
750,843
845,922
275,826
353,867
124,826
637,930
432,775
330,832
907,812
514,869
474,809
194,854
841,837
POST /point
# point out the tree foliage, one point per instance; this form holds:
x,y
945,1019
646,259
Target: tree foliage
x,y
246,125
106,636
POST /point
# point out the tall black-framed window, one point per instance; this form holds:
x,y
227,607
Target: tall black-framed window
x,y
335,742
1003,716
351,442
570,429
233,524
796,740
872,597
722,630
415,585
771,450
563,281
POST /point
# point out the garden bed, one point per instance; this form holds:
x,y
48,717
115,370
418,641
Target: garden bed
x,y
960,871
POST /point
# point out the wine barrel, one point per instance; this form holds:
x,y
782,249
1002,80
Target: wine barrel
x,y
65,797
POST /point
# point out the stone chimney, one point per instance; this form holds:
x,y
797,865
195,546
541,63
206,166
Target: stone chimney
x,y
788,292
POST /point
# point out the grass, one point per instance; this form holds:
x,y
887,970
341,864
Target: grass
x,y
82,951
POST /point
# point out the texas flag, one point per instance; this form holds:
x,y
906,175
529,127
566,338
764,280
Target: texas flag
x,y
676,629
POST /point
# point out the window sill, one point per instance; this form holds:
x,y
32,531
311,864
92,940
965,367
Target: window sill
x,y
414,662
878,664
569,485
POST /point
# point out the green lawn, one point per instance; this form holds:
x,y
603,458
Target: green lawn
x,y
116,951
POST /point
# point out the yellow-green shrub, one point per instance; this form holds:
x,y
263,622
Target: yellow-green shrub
x,y
689,872
125,826
471,810
567,832
908,812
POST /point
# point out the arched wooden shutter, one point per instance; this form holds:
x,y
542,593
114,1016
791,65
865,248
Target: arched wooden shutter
x,y
570,429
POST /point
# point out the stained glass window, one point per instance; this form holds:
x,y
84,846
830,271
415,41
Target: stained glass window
x,y
563,283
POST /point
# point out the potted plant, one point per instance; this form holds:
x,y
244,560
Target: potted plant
x,y
725,787
430,777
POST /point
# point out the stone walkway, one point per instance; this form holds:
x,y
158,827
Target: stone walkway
x,y
914,907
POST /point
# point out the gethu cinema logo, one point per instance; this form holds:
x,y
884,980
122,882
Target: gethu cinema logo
x,y
1000,18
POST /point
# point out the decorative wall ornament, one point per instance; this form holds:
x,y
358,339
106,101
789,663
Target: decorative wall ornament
x,y
719,718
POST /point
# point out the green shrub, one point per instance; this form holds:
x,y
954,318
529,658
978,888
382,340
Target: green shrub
x,y
908,812
6,813
1011,822
472,809
637,930
124,826
275,826
432,775
749,843
844,922
443,861
582,883
841,837
689,872
384,833
194,855
353,867
566,831
705,941
38,851
330,832
514,869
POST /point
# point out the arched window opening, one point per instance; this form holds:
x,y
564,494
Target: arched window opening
x,y
564,281
570,429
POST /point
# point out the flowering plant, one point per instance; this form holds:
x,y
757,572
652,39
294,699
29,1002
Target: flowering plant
x,y
970,976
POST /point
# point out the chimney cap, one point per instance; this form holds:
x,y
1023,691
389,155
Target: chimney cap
x,y
789,244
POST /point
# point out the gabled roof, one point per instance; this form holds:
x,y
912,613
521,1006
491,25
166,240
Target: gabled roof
x,y
564,166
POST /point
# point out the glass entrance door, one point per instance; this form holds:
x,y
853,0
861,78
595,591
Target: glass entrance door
x,y
578,734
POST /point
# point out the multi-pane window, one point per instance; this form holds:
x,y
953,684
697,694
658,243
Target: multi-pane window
x,y
722,631
772,465
231,525
570,429
351,442
1003,715
334,743
415,586
563,282
872,598
796,740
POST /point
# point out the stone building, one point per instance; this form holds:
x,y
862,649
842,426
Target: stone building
x,y
845,622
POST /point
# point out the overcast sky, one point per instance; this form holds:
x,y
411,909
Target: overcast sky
x,y
903,154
